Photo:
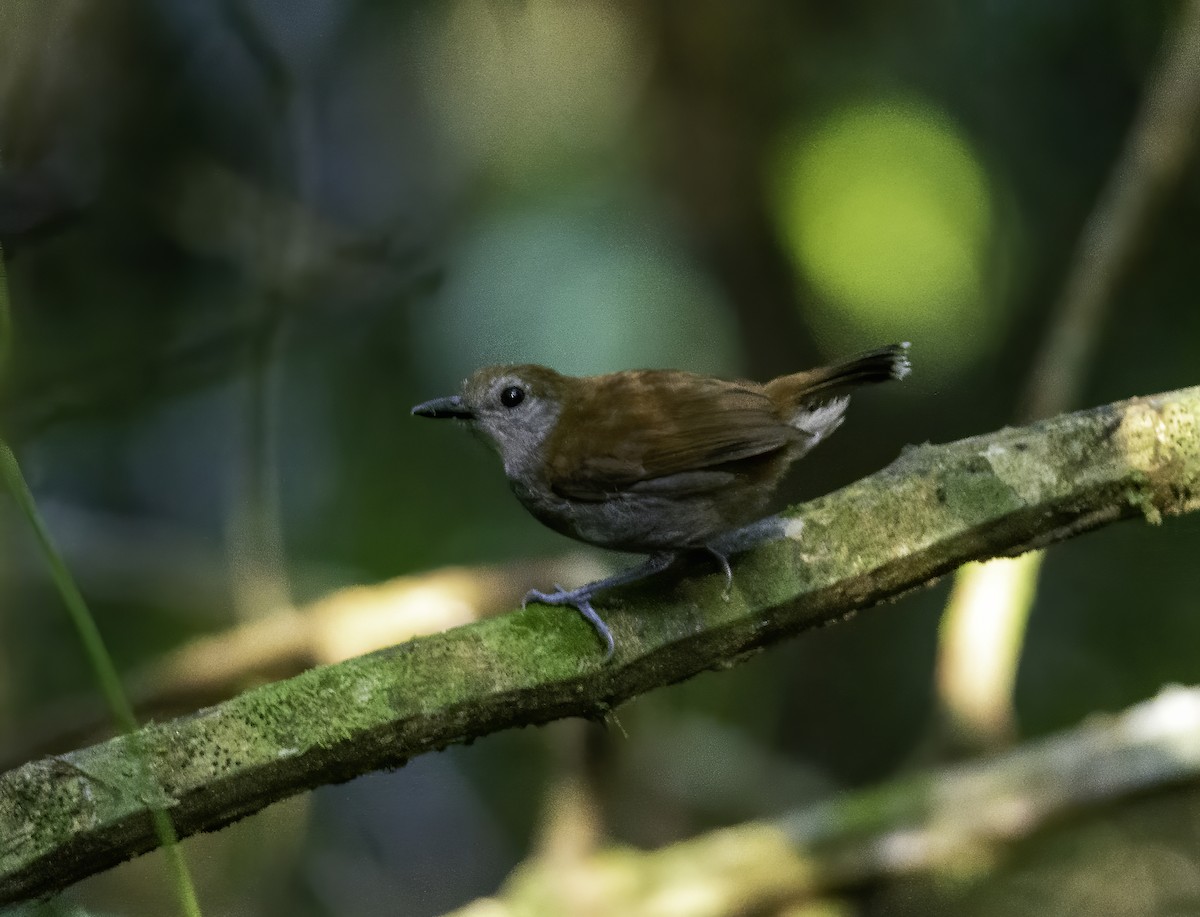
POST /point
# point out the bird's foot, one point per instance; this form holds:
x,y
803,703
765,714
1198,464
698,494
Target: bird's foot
x,y
581,600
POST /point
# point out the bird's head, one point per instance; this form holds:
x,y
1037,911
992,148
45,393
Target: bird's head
x,y
514,408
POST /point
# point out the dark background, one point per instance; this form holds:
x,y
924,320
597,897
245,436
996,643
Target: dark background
x,y
246,236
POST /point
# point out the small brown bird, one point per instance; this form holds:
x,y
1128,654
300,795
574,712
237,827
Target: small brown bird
x,y
653,461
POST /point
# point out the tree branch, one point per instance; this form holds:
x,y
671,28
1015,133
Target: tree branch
x,y
948,819
342,624
66,817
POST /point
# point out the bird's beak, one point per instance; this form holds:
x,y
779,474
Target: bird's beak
x,y
450,406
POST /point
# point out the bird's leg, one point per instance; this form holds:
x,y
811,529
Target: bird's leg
x,y
723,559
581,599
735,542
722,548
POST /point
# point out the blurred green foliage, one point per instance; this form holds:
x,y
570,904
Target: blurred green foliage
x,y
888,213
245,238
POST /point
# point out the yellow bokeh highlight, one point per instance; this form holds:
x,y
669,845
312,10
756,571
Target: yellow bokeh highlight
x,y
523,87
888,214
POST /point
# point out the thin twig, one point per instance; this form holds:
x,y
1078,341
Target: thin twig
x,y
1159,145
985,621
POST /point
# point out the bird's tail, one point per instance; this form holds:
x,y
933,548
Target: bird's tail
x,y
799,390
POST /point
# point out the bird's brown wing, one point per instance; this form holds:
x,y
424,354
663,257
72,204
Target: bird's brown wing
x,y
659,431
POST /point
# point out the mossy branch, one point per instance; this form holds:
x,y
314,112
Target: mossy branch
x,y
66,817
955,821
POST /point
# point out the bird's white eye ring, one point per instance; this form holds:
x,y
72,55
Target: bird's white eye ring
x,y
512,396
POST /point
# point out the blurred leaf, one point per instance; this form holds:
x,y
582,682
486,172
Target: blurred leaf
x,y
579,288
534,85
887,211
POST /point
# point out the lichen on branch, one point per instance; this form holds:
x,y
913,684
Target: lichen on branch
x,y
65,817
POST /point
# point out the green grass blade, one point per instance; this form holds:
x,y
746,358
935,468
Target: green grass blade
x,y
89,633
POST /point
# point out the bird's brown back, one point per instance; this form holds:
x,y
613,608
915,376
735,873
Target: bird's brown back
x,y
622,429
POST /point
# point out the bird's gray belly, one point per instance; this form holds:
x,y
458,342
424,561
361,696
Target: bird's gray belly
x,y
642,522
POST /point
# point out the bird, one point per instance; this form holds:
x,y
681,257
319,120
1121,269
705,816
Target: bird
x,y
653,461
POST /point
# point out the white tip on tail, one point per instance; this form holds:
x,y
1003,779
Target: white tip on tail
x,y
901,367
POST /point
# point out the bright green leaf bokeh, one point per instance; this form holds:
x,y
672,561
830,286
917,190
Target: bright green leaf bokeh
x,y
888,214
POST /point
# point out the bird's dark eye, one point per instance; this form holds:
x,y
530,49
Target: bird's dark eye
x,y
512,396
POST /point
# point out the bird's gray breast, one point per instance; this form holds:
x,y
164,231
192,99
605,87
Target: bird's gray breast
x,y
627,521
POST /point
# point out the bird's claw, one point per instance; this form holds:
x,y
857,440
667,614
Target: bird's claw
x,y
581,601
